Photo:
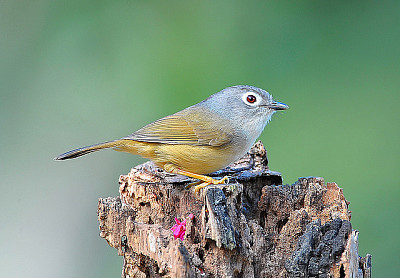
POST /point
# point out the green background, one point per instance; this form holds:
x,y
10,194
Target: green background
x,y
74,73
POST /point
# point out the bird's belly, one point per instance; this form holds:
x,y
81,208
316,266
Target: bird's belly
x,y
195,159
191,158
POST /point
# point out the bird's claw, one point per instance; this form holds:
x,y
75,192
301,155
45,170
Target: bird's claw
x,y
204,184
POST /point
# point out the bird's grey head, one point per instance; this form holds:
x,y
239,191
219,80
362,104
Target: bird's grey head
x,y
248,109
245,101
245,109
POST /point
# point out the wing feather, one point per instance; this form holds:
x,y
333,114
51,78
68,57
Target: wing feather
x,y
190,127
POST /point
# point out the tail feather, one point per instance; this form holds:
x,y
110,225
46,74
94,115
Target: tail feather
x,y
85,150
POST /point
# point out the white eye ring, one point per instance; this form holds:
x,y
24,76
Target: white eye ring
x,y
251,98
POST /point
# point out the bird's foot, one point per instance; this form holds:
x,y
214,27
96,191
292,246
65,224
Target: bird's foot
x,y
212,181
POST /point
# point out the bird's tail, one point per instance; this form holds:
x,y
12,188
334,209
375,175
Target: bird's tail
x,y
89,149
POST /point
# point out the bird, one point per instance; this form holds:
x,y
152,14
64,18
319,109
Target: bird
x,y
202,138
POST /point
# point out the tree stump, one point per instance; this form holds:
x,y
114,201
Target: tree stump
x,y
251,227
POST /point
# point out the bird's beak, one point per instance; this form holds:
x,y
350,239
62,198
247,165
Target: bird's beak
x,y
278,106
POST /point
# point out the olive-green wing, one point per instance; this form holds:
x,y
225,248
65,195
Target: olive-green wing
x,y
189,127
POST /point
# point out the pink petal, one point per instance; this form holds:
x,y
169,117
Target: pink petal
x,y
179,229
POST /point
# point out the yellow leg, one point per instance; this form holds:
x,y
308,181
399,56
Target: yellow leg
x,y
200,186
205,179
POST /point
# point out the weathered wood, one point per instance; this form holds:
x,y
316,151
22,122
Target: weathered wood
x,y
250,227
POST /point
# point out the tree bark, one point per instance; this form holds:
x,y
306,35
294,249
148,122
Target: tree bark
x,y
251,227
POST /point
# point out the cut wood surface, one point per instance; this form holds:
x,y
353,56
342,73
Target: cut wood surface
x,y
251,227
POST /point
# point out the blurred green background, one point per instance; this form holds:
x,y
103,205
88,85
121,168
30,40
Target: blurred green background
x,y
74,73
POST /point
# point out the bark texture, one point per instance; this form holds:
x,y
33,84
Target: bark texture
x,y
251,227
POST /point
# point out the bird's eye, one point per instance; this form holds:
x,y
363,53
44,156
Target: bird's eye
x,y
251,98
